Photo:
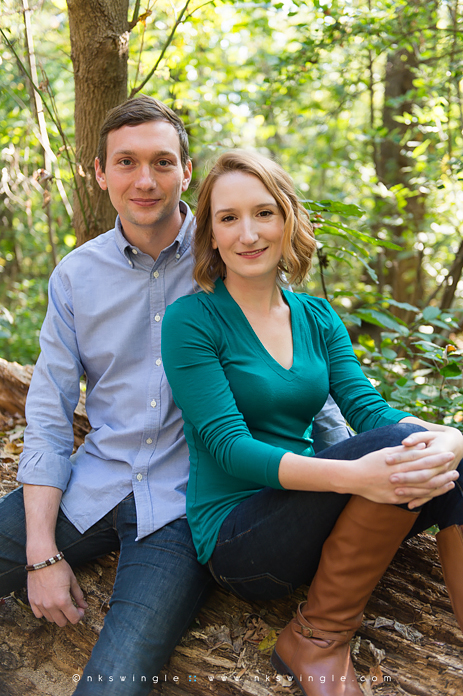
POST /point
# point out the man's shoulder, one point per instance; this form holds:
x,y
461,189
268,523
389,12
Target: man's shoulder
x,y
103,243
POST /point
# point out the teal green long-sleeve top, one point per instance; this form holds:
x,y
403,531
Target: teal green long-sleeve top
x,y
242,410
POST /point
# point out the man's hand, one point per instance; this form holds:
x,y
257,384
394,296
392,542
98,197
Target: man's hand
x,y
51,591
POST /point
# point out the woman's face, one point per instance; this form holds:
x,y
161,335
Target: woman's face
x,y
247,226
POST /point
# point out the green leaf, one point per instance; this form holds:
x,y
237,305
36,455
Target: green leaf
x,y
402,305
389,354
453,369
384,320
347,209
431,313
348,232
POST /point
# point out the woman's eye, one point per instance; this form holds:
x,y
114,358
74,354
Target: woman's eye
x,y
227,218
265,213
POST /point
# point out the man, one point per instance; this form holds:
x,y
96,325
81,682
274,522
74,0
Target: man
x,y
125,487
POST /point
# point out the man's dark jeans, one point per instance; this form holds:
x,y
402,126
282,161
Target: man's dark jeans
x,y
159,588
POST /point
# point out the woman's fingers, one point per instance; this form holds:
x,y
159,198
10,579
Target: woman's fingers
x,y
441,482
416,502
413,459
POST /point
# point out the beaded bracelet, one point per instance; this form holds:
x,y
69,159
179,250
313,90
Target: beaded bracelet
x,y
50,561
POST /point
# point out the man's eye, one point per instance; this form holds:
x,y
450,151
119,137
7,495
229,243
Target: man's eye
x,y
164,163
126,162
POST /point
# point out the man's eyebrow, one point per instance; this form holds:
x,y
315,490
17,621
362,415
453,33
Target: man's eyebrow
x,y
161,153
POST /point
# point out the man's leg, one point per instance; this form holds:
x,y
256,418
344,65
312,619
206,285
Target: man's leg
x,y
159,588
77,548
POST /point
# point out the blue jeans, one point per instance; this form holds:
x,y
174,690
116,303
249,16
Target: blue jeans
x,y
159,588
271,543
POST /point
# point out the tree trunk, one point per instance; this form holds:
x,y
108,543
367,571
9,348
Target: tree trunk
x,y
99,50
395,168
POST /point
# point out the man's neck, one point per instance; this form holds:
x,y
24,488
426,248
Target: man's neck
x,y
152,240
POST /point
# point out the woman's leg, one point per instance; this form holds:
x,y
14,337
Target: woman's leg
x,y
446,511
314,645
271,543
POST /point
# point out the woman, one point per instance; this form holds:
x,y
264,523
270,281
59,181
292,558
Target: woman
x,y
250,364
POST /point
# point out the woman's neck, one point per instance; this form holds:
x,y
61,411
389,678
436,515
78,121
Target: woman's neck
x,y
256,295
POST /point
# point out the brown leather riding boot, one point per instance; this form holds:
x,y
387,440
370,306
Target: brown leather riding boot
x,y
314,646
450,545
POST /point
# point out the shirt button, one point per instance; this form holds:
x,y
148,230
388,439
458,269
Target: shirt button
x,y
157,318
156,274
153,403
177,256
149,441
134,251
158,361
139,477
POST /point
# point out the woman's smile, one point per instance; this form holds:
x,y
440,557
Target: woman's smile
x,y
247,225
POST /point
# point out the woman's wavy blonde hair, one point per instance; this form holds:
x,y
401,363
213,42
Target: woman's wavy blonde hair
x,y
298,240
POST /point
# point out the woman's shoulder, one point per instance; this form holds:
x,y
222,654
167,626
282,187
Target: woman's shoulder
x,y
317,305
196,302
190,313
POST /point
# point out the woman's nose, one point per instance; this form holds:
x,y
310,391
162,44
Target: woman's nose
x,y
248,232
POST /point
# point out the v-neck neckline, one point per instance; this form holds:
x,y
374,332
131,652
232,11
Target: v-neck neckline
x,y
287,373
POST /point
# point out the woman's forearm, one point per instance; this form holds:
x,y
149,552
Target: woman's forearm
x,y
419,472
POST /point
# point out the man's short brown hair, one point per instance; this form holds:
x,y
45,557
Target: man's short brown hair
x,y
134,112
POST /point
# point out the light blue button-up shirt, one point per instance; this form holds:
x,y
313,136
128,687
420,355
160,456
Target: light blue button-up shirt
x,y
106,304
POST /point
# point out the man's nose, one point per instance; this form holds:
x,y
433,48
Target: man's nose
x,y
146,178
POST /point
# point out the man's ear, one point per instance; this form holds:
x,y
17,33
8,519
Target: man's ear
x,y
100,175
187,175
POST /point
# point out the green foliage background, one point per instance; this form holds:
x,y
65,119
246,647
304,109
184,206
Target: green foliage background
x,y
306,83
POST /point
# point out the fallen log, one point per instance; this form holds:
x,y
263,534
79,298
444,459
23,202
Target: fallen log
x,y
409,642
14,385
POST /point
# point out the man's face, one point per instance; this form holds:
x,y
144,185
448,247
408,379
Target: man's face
x,y
144,176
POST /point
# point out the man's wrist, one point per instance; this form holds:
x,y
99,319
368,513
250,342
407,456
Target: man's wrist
x,y
47,562
38,552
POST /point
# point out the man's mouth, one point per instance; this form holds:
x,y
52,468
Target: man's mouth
x,y
145,201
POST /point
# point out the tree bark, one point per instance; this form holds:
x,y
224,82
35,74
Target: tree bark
x,y
14,385
99,33
395,168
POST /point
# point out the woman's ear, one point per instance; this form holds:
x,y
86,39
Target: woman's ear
x,y
214,243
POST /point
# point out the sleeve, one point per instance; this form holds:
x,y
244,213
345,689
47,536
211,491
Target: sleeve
x,y
190,353
329,427
360,403
53,395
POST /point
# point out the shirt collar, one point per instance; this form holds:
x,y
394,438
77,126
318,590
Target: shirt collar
x,y
181,243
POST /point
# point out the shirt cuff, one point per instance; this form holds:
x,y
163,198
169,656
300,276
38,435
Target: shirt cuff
x,y
44,469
